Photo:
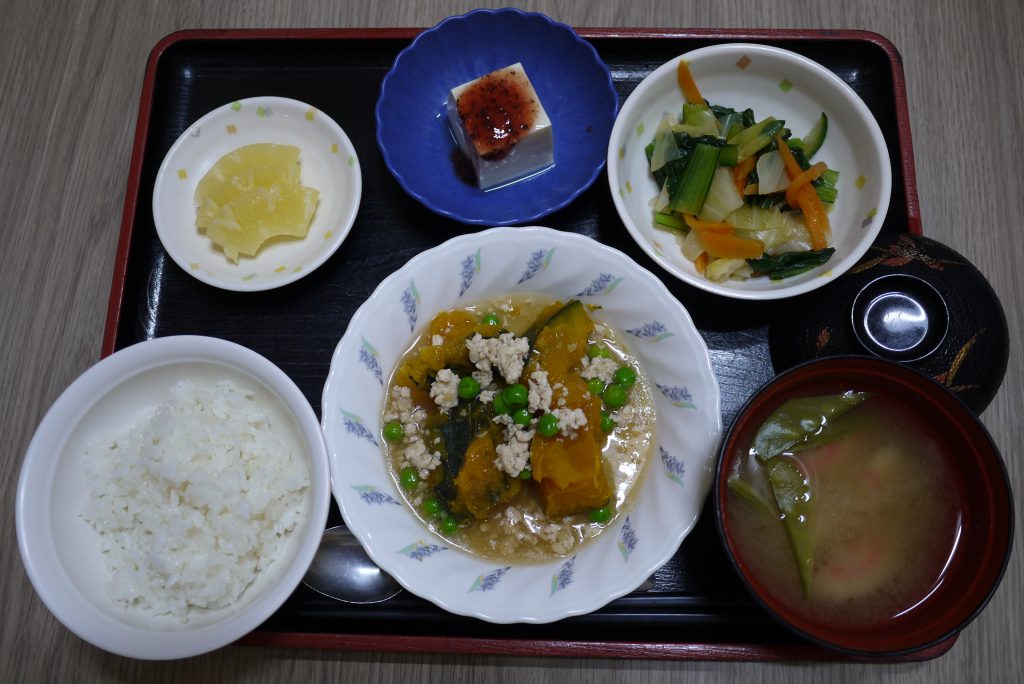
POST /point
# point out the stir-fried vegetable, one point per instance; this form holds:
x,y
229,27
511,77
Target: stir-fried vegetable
x,y
741,191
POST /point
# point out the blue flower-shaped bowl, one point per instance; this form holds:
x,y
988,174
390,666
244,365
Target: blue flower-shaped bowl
x,y
572,82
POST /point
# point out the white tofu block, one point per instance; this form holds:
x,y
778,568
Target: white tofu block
x,y
501,127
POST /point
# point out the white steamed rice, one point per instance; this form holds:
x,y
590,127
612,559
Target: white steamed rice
x,y
193,502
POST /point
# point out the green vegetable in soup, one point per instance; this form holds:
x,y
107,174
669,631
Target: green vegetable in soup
x,y
742,487
409,478
469,387
393,431
625,376
547,426
793,497
799,421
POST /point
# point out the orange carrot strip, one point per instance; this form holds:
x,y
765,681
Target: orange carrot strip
x,y
686,83
741,173
792,167
803,179
815,217
722,246
701,262
807,199
696,224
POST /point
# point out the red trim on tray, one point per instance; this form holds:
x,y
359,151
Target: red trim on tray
x,y
573,649
131,200
532,647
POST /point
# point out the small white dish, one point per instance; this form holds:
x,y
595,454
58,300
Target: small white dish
x,y
773,82
329,164
62,552
472,268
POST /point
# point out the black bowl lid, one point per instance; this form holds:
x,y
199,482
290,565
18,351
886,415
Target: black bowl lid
x,y
909,299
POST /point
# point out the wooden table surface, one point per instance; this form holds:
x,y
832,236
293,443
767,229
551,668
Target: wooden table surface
x,y
70,79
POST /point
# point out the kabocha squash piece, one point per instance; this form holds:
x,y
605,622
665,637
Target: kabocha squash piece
x,y
562,341
581,495
569,471
465,423
541,320
453,327
480,486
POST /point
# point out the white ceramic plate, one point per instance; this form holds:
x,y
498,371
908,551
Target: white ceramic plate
x,y
473,268
329,164
773,82
61,551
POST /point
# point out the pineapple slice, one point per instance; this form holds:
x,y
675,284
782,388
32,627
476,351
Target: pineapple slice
x,y
252,195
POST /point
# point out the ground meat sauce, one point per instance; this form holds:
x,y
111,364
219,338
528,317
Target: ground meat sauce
x,y
497,111
515,529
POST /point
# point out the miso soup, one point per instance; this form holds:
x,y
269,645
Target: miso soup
x,y
855,522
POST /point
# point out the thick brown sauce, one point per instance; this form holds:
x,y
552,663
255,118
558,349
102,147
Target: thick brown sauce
x,y
497,111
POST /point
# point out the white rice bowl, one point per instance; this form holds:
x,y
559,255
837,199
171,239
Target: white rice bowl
x,y
64,554
195,501
476,267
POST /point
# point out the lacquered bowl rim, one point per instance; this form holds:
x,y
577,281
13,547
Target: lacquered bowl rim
x,y
770,394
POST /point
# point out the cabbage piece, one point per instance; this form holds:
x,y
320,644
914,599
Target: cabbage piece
x,y
771,173
665,147
692,246
779,232
719,270
701,125
723,197
660,203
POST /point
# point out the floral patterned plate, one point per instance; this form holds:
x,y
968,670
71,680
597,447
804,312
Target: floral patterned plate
x,y
472,268
329,164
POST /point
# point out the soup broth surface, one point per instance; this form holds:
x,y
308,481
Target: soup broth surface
x,y
883,518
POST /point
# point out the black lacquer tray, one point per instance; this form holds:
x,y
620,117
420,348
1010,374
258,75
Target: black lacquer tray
x,y
695,606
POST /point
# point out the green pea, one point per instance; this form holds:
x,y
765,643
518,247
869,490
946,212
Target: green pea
x,y
521,417
601,515
409,478
515,396
607,424
614,395
393,431
433,508
449,525
491,320
595,386
547,426
468,387
500,407
525,474
594,351
625,376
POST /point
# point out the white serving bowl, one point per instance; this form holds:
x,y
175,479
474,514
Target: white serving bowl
x,y
773,82
329,164
473,268
61,551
